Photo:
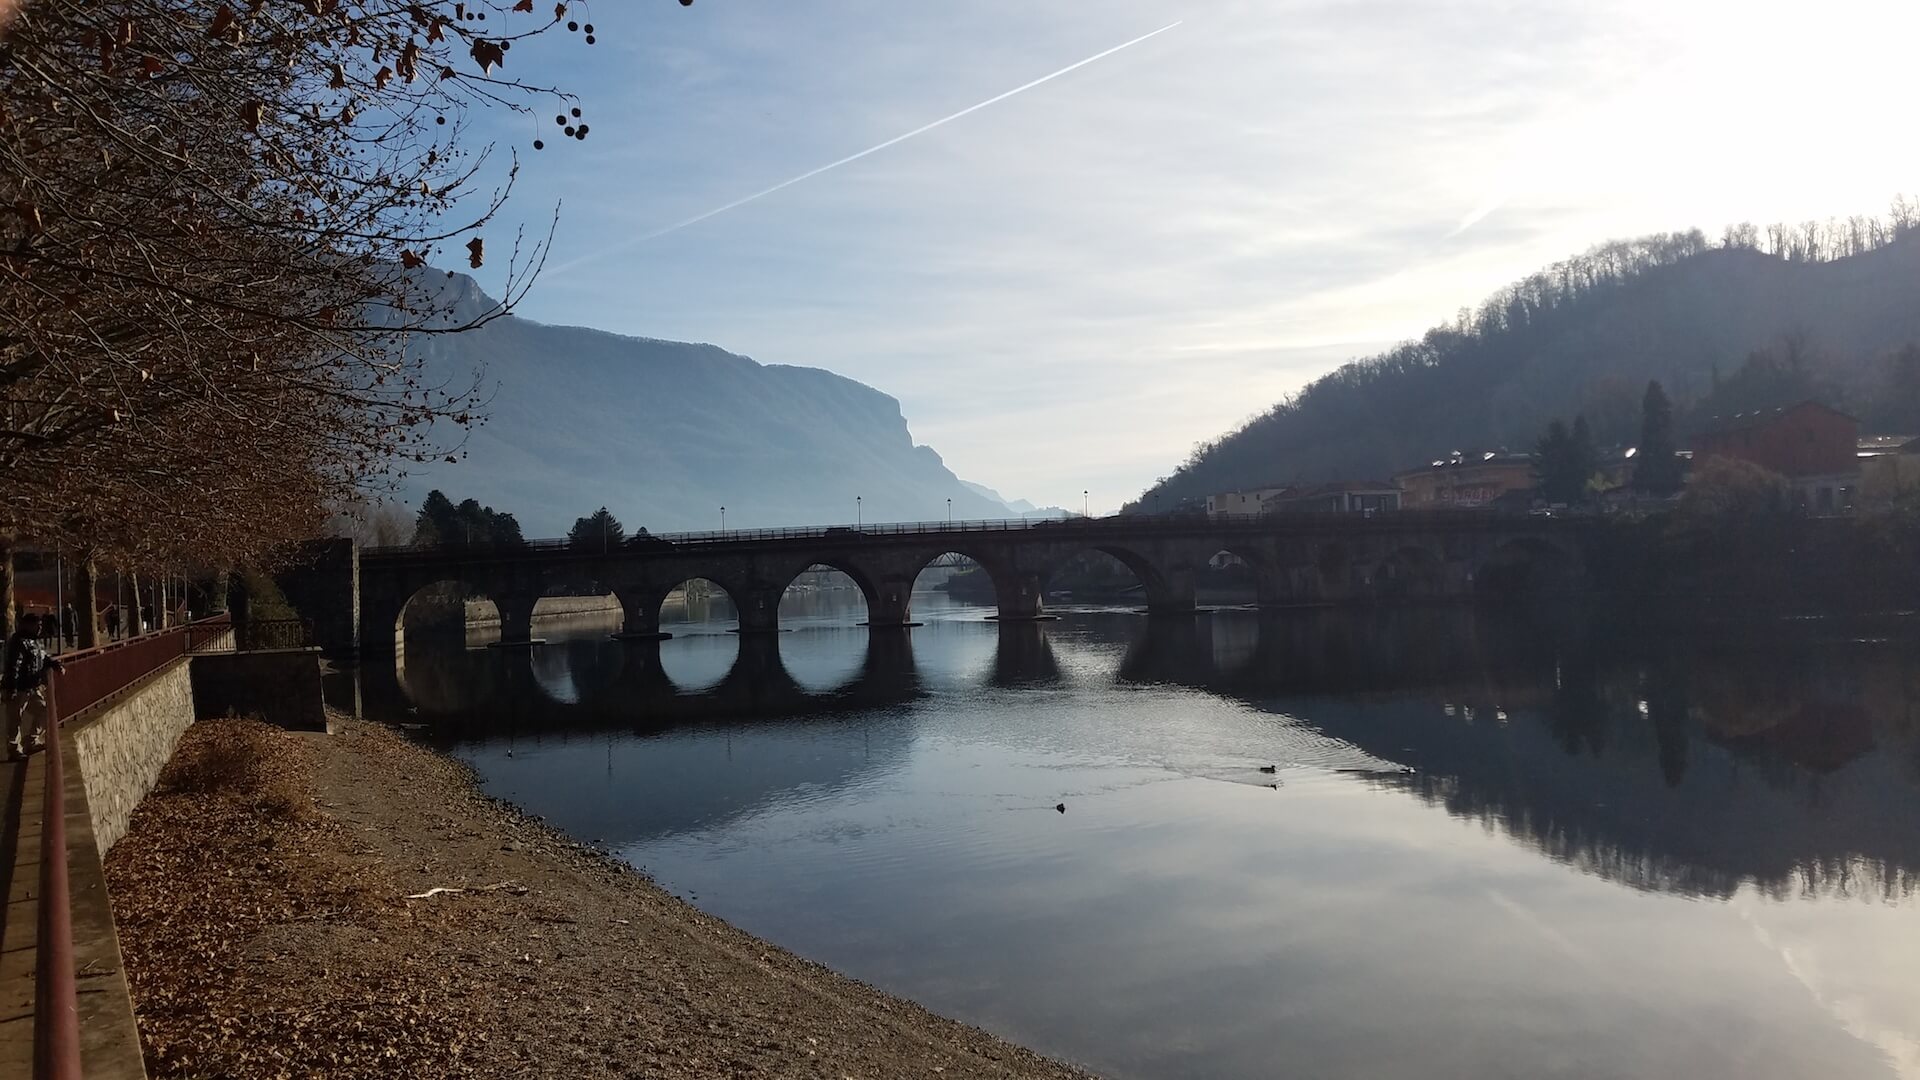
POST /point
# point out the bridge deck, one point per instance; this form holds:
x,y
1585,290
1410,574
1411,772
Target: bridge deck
x,y
1038,528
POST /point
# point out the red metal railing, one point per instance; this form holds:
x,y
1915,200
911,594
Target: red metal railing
x,y
83,680
90,676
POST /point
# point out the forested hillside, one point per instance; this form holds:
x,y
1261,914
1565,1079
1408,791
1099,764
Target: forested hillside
x,y
1753,319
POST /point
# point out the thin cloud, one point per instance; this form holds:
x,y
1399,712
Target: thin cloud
x,y
896,140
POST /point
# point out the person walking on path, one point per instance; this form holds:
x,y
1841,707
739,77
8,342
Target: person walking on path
x,y
23,685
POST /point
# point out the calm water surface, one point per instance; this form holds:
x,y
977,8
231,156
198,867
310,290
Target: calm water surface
x,y
1490,846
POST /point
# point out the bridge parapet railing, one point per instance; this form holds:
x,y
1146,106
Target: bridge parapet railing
x,y
250,635
1132,523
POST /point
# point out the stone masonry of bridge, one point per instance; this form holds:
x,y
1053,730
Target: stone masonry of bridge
x,y
1292,560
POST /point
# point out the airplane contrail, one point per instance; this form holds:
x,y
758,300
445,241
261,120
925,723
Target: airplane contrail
x,y
896,140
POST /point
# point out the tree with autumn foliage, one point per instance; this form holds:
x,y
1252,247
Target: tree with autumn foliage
x,y
215,223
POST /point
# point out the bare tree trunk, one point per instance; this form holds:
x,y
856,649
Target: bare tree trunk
x,y
129,611
222,581
6,587
86,600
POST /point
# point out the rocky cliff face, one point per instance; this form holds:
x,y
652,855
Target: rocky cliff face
x,y
664,433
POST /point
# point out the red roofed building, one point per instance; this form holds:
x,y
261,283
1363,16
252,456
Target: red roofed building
x,y
1812,445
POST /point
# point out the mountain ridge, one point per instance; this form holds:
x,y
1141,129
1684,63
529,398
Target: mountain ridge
x,y
1583,338
664,433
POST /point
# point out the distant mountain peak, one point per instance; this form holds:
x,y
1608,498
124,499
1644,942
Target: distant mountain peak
x,y
664,433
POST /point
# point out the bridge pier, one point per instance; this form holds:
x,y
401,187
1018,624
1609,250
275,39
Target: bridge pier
x,y
516,619
1022,597
1172,594
759,608
640,615
890,606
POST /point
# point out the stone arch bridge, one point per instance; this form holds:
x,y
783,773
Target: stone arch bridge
x,y
1293,559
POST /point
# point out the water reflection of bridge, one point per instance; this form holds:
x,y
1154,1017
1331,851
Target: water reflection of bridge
x,y
1661,762
1644,758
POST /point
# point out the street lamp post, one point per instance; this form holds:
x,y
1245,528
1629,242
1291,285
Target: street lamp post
x,y
949,511
723,519
859,514
1086,504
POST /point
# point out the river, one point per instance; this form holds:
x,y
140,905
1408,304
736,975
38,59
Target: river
x,y
1395,843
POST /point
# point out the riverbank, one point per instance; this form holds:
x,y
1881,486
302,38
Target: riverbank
x,y
277,906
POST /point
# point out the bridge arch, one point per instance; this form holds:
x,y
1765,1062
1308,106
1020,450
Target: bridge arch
x,y
862,580
1232,570
1526,566
702,598
438,607
1300,557
1093,573
1409,571
980,581
1333,569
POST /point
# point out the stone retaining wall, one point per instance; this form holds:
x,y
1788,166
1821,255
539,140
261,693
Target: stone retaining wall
x,y
121,747
280,686
483,613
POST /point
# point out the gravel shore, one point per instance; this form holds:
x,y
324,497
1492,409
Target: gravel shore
x,y
269,902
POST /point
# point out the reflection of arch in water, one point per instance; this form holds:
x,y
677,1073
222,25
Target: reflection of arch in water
x,y
954,654
441,677
577,669
826,659
1236,639
1586,748
1171,651
470,694
802,597
696,662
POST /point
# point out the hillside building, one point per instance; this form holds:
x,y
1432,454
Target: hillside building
x,y
1815,446
1463,481
1251,502
1889,465
1339,497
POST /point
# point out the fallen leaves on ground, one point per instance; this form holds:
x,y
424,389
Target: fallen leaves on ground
x,y
224,867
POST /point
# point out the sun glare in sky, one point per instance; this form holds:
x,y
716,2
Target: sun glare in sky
x,y
1073,240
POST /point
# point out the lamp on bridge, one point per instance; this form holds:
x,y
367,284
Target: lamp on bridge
x,y
859,515
949,511
723,519
1086,503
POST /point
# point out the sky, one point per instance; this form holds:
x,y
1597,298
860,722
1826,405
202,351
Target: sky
x,y
1068,288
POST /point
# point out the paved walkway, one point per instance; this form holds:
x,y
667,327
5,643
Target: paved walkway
x,y
109,1042
21,787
